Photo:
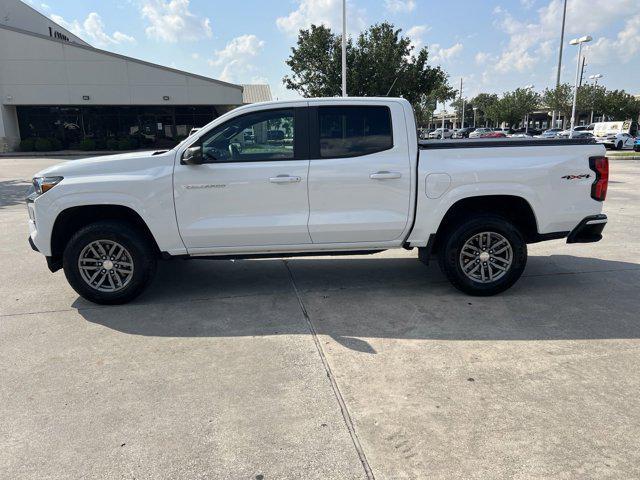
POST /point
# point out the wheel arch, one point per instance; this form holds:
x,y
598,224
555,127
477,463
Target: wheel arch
x,y
72,219
512,207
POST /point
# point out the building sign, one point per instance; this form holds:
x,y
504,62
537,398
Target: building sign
x,y
56,34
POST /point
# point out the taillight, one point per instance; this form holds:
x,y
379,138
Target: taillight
x,y
600,165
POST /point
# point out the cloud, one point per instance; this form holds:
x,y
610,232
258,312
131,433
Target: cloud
x,y
443,55
44,6
92,30
625,46
525,47
481,58
172,21
236,57
321,12
416,34
400,6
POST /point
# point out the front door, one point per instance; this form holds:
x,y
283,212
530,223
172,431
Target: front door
x,y
359,175
252,189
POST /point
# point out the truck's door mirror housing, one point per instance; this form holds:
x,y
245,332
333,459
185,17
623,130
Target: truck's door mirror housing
x,y
193,156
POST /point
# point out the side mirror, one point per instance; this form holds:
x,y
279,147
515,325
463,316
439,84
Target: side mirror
x,y
193,156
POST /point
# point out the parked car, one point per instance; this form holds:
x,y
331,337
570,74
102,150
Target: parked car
x,y
463,132
355,179
617,141
551,133
494,134
530,132
437,133
576,134
479,132
506,131
636,146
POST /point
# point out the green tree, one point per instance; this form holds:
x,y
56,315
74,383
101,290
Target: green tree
x,y
619,105
559,99
487,107
591,98
381,62
514,106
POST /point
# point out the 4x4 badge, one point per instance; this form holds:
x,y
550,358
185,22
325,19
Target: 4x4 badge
x,y
577,177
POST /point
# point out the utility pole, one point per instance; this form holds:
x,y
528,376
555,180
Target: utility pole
x,y
464,101
344,48
582,72
564,18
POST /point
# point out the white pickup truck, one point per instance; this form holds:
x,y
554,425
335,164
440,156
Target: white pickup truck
x,y
316,177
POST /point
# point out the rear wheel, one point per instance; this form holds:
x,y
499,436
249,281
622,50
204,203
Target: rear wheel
x,y
109,262
483,256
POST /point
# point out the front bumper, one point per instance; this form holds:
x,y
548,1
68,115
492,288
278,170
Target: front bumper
x,y
588,230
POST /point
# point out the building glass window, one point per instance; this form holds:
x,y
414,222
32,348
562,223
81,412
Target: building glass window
x,y
137,126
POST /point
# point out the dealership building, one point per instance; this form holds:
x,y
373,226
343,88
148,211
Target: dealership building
x,y
55,85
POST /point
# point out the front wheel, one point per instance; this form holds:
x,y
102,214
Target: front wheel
x,y
109,262
483,256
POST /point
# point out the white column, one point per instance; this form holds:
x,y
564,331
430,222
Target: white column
x,y
9,129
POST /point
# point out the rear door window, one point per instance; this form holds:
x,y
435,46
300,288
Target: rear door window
x,y
353,131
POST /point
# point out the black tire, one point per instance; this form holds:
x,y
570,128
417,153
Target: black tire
x,y
139,249
450,254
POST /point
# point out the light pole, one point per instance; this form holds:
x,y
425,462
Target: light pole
x,y
444,111
579,42
344,48
475,113
564,17
595,83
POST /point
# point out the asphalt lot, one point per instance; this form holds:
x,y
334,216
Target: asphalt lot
x,y
323,368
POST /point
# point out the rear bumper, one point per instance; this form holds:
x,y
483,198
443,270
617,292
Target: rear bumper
x,y
588,230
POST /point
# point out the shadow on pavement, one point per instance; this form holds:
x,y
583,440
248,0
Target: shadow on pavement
x,y
560,297
12,192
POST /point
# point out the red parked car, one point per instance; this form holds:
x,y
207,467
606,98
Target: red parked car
x,y
493,135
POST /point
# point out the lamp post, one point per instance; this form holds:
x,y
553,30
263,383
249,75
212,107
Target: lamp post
x,y
344,48
595,83
475,113
444,111
579,42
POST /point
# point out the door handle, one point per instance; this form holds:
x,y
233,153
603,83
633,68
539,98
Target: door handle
x,y
385,175
285,179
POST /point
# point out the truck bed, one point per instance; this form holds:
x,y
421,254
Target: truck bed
x,y
502,142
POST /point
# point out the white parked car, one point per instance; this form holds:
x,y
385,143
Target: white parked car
x,y
618,135
353,179
479,132
617,141
437,133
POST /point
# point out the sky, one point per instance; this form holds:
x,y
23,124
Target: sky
x,y
493,45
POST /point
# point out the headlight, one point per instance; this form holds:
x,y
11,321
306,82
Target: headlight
x,y
44,184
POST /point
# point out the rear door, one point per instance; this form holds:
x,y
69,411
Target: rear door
x,y
359,172
252,188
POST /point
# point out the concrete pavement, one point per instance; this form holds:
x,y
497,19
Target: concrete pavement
x,y
356,367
